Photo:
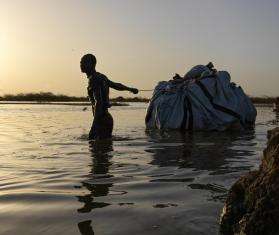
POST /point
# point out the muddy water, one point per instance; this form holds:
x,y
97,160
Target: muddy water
x,y
52,181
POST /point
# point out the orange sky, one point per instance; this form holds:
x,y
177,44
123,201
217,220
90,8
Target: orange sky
x,y
136,42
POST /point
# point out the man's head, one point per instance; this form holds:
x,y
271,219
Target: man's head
x,y
88,63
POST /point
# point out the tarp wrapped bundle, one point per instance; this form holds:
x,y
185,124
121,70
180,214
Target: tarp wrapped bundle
x,y
209,101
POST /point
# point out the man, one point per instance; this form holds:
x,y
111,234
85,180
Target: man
x,y
98,92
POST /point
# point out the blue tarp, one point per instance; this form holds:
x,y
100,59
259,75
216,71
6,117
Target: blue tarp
x,y
209,103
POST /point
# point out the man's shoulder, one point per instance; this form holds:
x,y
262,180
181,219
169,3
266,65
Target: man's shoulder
x,y
101,76
98,79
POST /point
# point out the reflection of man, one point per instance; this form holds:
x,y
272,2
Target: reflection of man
x,y
98,92
100,153
85,228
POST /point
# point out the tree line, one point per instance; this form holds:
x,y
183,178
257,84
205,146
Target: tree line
x,y
50,97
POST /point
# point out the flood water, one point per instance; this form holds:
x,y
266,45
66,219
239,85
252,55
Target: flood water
x,y
52,181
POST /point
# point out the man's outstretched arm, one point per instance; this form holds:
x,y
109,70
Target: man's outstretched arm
x,y
121,87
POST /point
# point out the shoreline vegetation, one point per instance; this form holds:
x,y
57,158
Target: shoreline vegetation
x,y
60,99
48,98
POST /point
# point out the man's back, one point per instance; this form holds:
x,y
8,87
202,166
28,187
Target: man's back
x,y
98,91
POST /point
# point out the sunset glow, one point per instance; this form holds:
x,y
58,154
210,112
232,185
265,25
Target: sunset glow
x,y
136,42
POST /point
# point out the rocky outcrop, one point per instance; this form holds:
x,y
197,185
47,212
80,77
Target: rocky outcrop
x,y
252,206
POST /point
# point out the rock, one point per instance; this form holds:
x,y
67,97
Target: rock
x,y
252,205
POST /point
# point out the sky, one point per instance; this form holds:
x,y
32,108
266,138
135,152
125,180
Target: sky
x,y
136,42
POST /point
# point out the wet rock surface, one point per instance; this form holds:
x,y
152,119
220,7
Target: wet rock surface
x,y
252,205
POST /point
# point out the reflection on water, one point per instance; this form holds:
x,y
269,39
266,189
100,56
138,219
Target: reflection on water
x,y
100,168
143,182
85,228
201,150
100,153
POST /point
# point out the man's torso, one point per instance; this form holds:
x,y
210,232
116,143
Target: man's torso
x,y
98,89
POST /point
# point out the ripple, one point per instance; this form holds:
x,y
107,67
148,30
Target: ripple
x,y
165,205
174,180
209,187
53,181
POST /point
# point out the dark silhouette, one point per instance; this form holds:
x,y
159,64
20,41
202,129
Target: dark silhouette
x,y
98,92
101,154
85,228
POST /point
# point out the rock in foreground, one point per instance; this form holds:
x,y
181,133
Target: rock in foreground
x,y
252,206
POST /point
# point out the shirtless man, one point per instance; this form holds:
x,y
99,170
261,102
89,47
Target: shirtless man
x,y
98,92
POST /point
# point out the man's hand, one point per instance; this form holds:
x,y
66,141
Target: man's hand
x,y
134,90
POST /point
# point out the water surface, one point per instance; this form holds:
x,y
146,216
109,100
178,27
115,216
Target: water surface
x,y
52,181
